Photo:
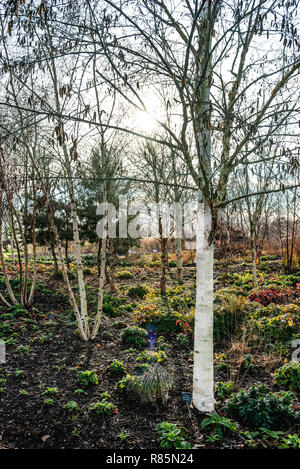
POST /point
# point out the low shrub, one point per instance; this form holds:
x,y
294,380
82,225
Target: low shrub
x,y
111,306
117,367
243,281
119,325
268,295
288,376
269,257
5,329
265,267
289,280
53,390
291,442
89,260
274,310
279,328
152,357
23,350
171,436
71,406
155,264
258,407
183,340
179,299
221,363
163,319
128,384
18,311
88,377
161,343
125,274
137,292
135,336
219,425
59,275
104,406
223,390
49,402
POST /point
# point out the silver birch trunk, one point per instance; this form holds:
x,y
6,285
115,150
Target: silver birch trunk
x,y
34,277
203,379
179,276
81,283
25,250
12,251
7,283
101,288
253,254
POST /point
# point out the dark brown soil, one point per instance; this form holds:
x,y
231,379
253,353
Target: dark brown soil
x,y
27,422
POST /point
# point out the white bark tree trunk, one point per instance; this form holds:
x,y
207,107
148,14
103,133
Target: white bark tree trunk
x,y
203,379
253,254
34,253
5,275
25,251
78,257
12,251
179,275
101,288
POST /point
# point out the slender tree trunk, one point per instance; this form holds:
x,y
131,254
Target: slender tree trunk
x,y
6,279
112,261
254,256
62,264
4,301
174,246
76,237
19,258
101,289
164,254
292,237
287,237
99,257
203,379
67,253
25,250
164,266
12,250
54,259
77,249
179,274
34,277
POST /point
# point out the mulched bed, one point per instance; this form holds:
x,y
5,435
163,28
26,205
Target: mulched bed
x,y
27,422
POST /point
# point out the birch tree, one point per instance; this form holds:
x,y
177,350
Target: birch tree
x,y
233,67
190,45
